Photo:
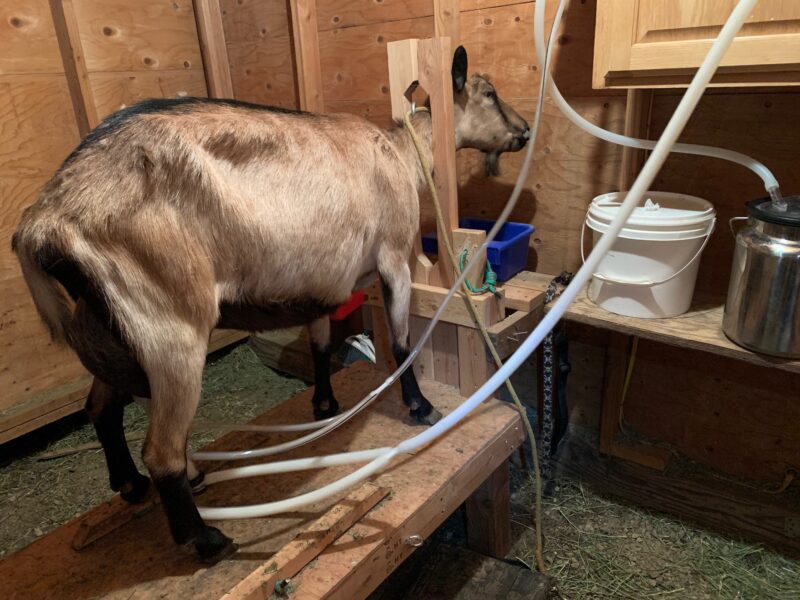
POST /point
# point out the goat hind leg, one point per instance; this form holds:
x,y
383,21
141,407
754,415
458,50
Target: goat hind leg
x,y
195,475
325,405
175,375
105,406
396,286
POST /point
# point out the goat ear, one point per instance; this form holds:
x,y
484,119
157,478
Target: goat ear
x,y
459,69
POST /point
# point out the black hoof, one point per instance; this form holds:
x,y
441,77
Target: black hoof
x,y
213,546
198,484
425,415
325,409
133,492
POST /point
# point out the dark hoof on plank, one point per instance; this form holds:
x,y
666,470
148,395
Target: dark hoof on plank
x,y
198,484
325,409
429,418
133,492
214,546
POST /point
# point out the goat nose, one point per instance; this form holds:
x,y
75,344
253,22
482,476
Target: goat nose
x,y
527,133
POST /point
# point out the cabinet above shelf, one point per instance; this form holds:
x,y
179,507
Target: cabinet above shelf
x,y
660,43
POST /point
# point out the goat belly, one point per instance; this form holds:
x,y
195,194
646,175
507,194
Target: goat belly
x,y
263,317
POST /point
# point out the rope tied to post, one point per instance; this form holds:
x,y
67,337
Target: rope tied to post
x,y
489,276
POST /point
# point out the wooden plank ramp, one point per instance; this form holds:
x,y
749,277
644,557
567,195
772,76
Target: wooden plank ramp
x,y
137,559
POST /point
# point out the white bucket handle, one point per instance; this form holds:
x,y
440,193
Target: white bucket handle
x,y
651,283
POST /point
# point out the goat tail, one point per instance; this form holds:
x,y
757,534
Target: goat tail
x,y
43,266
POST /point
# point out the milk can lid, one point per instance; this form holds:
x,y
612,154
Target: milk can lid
x,y
764,210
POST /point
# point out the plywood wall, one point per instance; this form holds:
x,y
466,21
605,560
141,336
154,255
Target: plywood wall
x,y
137,50
764,124
64,65
258,37
37,131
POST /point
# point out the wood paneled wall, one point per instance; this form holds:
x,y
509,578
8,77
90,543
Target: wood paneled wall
x,y
137,50
64,65
258,36
764,124
37,131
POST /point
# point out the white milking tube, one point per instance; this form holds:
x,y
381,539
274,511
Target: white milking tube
x,y
770,183
632,200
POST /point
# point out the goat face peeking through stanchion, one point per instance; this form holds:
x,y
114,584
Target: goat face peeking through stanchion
x,y
175,216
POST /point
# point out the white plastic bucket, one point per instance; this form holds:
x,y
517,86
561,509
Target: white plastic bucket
x,y
651,269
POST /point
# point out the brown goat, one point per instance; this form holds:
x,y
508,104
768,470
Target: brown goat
x,y
176,216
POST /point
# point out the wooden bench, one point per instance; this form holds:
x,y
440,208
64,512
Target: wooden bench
x,y
137,559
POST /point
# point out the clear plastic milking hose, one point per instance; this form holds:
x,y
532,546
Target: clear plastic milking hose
x,y
383,456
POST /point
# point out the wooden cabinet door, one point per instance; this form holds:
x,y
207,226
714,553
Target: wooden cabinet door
x,y
660,43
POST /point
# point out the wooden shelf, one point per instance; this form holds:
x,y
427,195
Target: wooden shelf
x,y
698,329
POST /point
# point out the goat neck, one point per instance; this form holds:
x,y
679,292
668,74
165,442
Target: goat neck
x,y
421,121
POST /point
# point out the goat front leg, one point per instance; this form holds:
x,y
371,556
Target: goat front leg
x,y
325,405
396,285
175,374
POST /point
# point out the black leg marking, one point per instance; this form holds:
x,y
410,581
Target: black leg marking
x,y
422,410
325,405
185,522
106,406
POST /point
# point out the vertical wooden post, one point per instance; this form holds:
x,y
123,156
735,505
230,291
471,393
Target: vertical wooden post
x,y
69,43
470,240
306,49
445,19
403,80
637,119
435,63
473,367
403,75
489,515
211,36
613,383
615,370
445,353
423,365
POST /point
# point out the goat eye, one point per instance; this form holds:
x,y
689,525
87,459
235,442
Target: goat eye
x,y
490,94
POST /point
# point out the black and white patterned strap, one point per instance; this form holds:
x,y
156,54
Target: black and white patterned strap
x,y
554,289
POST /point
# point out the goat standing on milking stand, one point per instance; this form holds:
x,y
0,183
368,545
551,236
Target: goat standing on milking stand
x,y
176,216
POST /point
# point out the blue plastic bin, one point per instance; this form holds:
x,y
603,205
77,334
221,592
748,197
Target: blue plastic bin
x,y
508,253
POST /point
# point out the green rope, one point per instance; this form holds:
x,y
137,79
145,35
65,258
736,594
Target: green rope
x,y
489,276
